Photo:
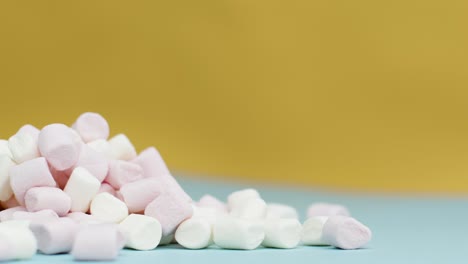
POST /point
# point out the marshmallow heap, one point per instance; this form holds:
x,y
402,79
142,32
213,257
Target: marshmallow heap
x,y
73,190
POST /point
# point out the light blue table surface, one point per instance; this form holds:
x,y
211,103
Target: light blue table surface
x,y
405,230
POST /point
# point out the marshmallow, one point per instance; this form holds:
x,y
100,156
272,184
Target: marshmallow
x,y
101,146
275,210
345,232
105,187
35,217
170,210
59,145
81,187
122,172
7,214
91,126
96,163
108,208
4,149
121,148
166,240
31,130
5,250
282,233
239,198
237,233
22,242
312,231
55,236
254,208
5,188
82,218
97,242
209,201
194,233
31,173
326,209
142,232
40,198
206,213
23,147
138,194
153,166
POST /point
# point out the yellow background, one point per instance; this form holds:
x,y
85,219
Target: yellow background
x,y
364,95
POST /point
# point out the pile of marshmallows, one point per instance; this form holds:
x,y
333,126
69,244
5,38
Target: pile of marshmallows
x,y
71,189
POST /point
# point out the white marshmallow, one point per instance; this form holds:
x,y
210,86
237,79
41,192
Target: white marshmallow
x,y
141,232
194,233
327,209
121,148
166,240
236,233
83,218
36,217
5,188
81,187
4,149
239,198
23,147
7,214
206,213
345,232
282,233
254,208
55,236
275,210
102,146
312,231
22,241
108,208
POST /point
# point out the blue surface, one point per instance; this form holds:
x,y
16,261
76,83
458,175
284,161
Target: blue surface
x,y
405,230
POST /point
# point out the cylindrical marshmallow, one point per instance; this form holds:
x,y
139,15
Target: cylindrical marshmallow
x,y
282,233
96,163
121,148
239,198
327,209
59,145
40,198
12,202
105,187
312,231
22,242
101,146
97,242
194,233
7,214
35,217
138,194
55,236
5,188
237,233
32,173
5,149
212,202
31,130
166,240
275,210
108,208
254,208
91,126
23,147
141,232
81,187
60,177
83,218
345,232
122,172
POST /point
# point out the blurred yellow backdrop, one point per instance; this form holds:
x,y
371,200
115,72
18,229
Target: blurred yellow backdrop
x,y
365,95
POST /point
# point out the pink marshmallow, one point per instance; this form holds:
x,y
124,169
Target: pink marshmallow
x,y
96,163
80,217
345,232
122,172
326,209
60,146
91,126
7,214
31,130
97,242
56,236
137,195
170,210
31,173
105,187
39,216
40,198
12,202
154,166
60,177
212,202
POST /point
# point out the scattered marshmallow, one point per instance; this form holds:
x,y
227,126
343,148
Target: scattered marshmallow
x,y
33,217
194,233
345,232
22,243
83,218
282,233
59,145
254,208
7,214
122,172
60,177
138,194
108,208
239,198
91,126
96,163
105,187
55,236
97,242
121,148
5,188
275,210
209,201
23,147
31,130
237,233
101,146
32,173
141,232
312,231
166,240
12,202
81,187
4,149
326,209
40,198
